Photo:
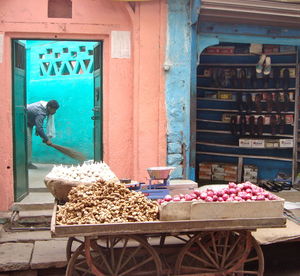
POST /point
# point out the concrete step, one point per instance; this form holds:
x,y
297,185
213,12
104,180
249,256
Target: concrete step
x,y
26,256
26,236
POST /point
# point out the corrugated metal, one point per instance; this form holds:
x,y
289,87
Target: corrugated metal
x,y
258,12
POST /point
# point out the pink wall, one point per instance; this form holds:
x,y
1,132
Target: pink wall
x,y
134,107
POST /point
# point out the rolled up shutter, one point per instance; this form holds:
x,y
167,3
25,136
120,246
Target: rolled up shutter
x,y
259,12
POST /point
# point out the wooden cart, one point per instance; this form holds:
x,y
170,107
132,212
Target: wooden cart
x,y
210,247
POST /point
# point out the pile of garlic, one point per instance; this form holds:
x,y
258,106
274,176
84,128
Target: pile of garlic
x,y
88,172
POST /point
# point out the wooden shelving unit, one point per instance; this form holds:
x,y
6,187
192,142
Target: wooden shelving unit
x,y
210,109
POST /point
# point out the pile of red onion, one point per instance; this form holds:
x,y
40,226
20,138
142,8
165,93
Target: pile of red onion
x,y
233,192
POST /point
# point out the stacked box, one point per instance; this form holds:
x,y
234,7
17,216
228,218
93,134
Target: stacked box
x,y
230,172
217,171
224,171
205,171
250,173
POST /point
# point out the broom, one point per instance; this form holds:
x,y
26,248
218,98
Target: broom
x,y
69,152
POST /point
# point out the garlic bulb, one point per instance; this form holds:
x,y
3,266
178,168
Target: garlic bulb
x,y
88,172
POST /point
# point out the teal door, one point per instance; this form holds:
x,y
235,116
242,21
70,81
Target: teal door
x,y
19,121
98,149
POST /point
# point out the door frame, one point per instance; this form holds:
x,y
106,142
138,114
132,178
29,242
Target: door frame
x,y
103,40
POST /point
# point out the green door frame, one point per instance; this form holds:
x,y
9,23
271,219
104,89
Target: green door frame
x,y
19,113
19,120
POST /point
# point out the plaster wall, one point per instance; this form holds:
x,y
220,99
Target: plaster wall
x,y
133,88
178,85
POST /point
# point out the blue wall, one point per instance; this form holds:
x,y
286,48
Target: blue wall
x,y
62,71
181,63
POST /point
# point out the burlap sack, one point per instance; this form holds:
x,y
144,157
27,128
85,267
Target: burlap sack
x,y
60,188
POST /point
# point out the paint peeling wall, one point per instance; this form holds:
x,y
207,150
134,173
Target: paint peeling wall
x,y
178,85
134,100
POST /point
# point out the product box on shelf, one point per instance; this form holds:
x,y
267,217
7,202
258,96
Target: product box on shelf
x,y
257,143
289,119
272,143
245,143
250,173
292,72
269,49
220,50
226,117
287,48
224,95
217,168
205,171
286,143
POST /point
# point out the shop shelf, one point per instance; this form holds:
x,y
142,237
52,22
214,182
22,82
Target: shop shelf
x,y
251,90
245,156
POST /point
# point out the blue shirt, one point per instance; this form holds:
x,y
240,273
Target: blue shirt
x,y
36,114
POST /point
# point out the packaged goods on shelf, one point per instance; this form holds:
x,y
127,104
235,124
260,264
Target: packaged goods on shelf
x,y
272,143
245,143
257,143
226,117
269,49
289,119
287,48
286,143
220,50
292,72
224,95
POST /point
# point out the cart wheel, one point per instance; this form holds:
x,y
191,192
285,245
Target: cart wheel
x,y
72,245
77,265
214,252
254,263
123,255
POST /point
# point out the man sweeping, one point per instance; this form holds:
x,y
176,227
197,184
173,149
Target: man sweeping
x,y
36,114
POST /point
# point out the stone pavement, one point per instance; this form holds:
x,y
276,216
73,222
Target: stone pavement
x,y
31,250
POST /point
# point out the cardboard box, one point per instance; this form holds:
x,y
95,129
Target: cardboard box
x,y
205,165
255,143
231,178
250,173
218,177
271,143
224,95
286,143
245,143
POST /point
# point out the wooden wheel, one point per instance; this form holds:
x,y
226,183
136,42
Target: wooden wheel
x,y
214,253
77,264
72,245
114,255
123,255
254,263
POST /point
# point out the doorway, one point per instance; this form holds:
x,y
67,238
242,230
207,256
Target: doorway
x,y
69,72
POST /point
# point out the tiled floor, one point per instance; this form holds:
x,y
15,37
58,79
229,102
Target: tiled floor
x,y
36,176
